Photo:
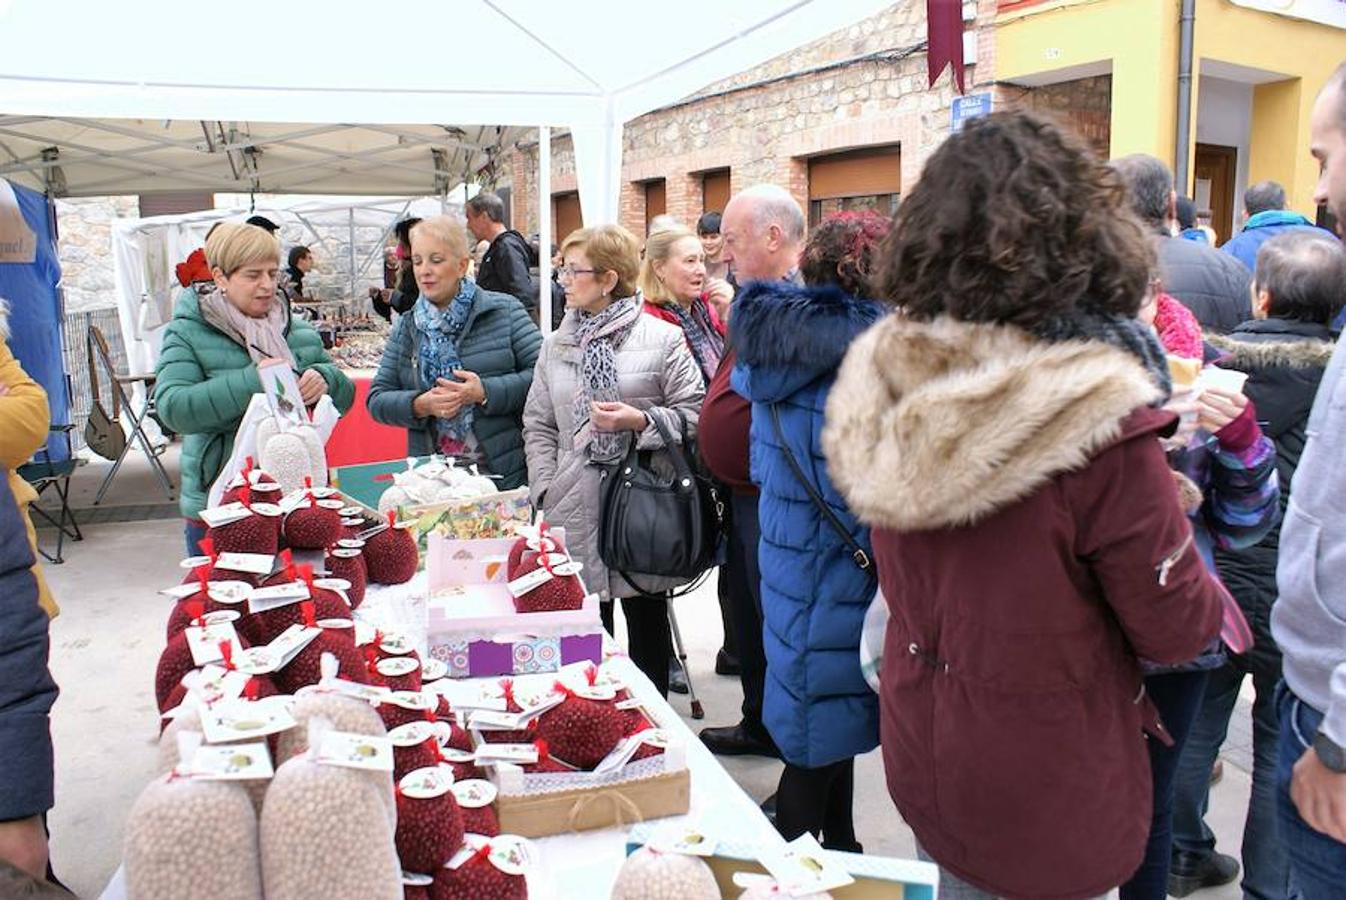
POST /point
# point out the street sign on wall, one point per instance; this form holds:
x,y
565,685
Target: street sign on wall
x,y
1324,12
964,109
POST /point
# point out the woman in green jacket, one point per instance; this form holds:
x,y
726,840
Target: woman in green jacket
x,y
458,365
207,369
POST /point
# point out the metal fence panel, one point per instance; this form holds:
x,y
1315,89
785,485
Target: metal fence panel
x,y
74,350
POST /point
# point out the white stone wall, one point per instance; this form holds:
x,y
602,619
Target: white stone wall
x,y
85,249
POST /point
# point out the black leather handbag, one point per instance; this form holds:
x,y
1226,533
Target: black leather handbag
x,y
654,525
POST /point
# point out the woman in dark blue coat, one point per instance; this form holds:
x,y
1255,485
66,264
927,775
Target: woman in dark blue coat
x,y
815,585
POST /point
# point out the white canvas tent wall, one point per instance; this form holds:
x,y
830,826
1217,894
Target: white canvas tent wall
x,y
588,64
145,252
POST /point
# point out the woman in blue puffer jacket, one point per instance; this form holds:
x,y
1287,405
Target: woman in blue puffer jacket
x,y
816,578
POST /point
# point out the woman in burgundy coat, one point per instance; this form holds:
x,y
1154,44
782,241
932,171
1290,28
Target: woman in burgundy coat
x,y
999,432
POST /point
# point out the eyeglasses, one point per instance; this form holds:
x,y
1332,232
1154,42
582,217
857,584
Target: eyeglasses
x,y
566,273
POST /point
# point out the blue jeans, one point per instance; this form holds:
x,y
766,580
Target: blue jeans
x,y
195,530
1266,871
1317,862
1177,696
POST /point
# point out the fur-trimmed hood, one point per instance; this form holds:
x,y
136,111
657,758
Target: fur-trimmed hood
x,y
934,424
787,335
1271,343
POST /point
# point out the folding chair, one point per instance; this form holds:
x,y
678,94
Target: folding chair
x,y
119,385
42,473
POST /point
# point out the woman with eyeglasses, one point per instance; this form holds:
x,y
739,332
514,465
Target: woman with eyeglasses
x,y
457,366
600,381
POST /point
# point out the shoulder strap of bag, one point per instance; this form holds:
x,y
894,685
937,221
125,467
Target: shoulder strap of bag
x,y
677,453
858,553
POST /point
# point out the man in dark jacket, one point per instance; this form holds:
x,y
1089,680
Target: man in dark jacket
x,y
504,268
27,693
763,229
1299,285
1265,217
1213,285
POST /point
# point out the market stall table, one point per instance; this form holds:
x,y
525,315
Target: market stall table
x,y
357,437
585,864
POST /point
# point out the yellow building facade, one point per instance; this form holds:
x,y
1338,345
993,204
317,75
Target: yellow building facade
x,y
1257,66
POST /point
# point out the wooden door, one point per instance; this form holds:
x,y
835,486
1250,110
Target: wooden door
x,y
565,215
715,191
656,200
1213,186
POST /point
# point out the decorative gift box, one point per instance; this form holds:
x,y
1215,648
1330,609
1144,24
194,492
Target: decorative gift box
x,y
472,625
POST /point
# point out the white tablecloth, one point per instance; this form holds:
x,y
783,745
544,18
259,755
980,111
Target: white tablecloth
x,y
584,865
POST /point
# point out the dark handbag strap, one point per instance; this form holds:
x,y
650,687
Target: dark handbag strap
x,y
858,553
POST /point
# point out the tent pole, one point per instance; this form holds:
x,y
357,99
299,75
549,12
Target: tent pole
x,y
350,251
544,240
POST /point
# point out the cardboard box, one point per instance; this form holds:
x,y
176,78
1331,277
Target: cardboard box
x,y
582,809
472,625
486,517
876,877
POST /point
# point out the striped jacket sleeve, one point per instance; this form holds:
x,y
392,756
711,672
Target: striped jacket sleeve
x,y
1243,502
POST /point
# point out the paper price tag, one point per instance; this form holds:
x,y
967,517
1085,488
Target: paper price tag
x,y
213,684
334,505
195,562
370,693
411,734
270,510
513,855
433,670
204,642
240,720
530,582
804,867
233,762
288,644
523,754
257,661
427,783
465,695
396,666
356,751
231,593
490,720
182,591
277,596
224,515
414,880
414,700
252,563
396,644
686,840
629,703
474,793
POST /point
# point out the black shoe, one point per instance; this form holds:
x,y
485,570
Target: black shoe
x,y
677,678
768,807
1193,871
735,740
851,846
726,663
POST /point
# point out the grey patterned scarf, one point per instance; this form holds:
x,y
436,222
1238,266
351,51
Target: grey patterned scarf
x,y
1131,335
599,336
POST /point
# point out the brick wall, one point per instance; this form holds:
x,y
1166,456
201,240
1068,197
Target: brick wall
x,y
1084,105
765,122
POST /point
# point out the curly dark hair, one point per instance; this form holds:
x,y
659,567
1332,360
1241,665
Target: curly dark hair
x,y
1014,221
842,248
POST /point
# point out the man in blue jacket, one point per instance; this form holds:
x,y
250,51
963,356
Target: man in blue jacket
x,y
26,696
1265,216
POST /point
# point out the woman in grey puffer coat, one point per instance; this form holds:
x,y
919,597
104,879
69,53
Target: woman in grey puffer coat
x,y
599,380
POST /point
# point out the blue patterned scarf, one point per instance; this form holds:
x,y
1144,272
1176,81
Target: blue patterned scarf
x,y
441,330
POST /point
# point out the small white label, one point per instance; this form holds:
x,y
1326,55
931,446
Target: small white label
x,y
204,642
413,700
195,562
330,504
524,754
346,552
629,703
336,624
396,644
270,510
182,591
276,596
356,751
290,642
474,793
233,762
225,515
570,567
489,720
213,684
396,666
601,693
427,783
411,734
530,582
513,855
434,669
252,563
257,661
332,584
683,840
804,867
352,512
454,755
368,692
231,593
221,616
411,879
240,720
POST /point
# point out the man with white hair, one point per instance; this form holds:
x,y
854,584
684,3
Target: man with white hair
x,y
763,230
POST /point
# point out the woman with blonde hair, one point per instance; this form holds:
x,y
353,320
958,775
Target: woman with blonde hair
x,y
601,381
207,370
457,366
673,282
